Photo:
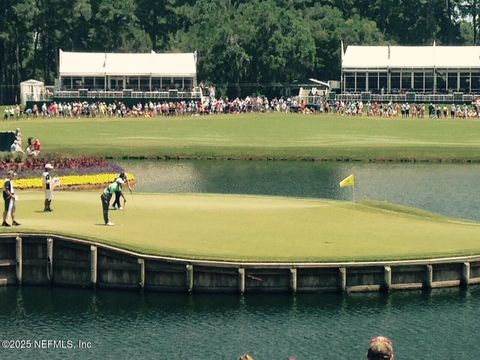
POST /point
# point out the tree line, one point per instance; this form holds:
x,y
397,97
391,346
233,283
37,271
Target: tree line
x,y
242,46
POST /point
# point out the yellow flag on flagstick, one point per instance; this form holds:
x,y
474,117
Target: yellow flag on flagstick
x,y
348,181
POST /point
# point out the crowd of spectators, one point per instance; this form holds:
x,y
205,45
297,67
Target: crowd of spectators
x,y
212,105
164,108
12,112
33,148
435,111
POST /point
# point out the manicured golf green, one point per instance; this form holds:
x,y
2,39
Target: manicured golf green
x,y
259,136
254,228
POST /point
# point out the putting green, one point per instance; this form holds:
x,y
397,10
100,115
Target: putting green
x,y
256,228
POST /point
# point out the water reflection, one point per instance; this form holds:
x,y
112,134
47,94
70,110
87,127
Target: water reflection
x,y
440,324
448,189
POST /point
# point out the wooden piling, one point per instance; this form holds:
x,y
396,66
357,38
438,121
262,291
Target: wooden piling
x,y
141,273
428,277
342,279
387,278
241,280
465,274
93,265
50,259
189,269
19,259
293,280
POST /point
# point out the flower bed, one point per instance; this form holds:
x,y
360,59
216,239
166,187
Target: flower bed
x,y
73,172
32,167
69,181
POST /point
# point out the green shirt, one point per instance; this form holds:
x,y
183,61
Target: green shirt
x,y
113,187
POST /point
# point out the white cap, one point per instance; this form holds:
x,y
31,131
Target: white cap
x,y
48,166
119,181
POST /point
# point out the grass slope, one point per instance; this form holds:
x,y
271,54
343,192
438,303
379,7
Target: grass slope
x,y
271,135
252,227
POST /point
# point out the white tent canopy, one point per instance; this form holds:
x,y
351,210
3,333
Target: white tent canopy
x,y
420,69
119,64
411,57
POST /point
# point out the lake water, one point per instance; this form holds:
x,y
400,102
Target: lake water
x,y
448,189
438,325
441,324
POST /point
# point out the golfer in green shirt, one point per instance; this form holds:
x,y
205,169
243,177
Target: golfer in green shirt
x,y
115,187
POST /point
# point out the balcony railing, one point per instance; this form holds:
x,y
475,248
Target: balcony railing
x,y
407,97
100,94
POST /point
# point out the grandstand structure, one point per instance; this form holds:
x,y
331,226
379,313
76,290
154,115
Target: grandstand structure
x,y
425,73
128,76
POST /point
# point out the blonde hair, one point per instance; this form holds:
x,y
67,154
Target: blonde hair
x,y
245,357
380,348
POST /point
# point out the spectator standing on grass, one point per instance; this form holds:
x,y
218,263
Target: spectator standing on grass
x,y
16,147
107,195
36,147
18,136
9,199
29,149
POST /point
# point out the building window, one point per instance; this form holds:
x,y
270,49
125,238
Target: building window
x,y
395,82
88,83
178,83
132,82
452,81
418,81
361,82
429,82
167,83
465,82
373,82
382,82
441,81
188,84
66,82
349,82
77,83
406,81
144,83
476,82
156,84
100,83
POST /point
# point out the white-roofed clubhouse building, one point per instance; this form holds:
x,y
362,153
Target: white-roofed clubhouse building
x,y
420,69
133,71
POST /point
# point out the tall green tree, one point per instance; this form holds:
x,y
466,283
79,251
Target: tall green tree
x,y
117,28
246,45
413,22
161,18
470,10
243,46
329,28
